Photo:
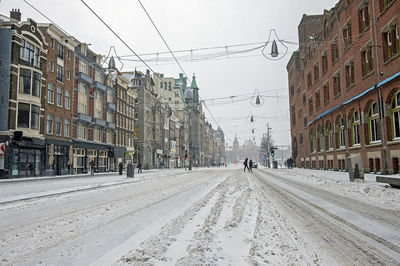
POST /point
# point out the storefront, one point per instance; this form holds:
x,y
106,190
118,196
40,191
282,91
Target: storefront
x,y
85,152
58,157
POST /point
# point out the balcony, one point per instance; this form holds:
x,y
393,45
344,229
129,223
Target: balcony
x,y
111,106
100,87
100,122
84,118
85,78
111,125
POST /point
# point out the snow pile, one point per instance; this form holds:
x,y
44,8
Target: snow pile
x,y
368,191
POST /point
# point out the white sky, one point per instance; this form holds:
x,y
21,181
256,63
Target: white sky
x,y
191,24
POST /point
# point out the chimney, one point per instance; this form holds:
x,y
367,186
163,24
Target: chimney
x,y
15,14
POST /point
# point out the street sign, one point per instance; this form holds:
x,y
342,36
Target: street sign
x,y
2,149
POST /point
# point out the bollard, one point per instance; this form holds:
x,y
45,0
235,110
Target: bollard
x,y
130,170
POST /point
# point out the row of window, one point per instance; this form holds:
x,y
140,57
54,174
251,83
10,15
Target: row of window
x,y
60,50
61,128
82,133
60,72
124,138
58,96
323,137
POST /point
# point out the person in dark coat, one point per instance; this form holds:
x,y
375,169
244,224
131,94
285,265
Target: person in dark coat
x,y
139,166
120,168
245,165
251,166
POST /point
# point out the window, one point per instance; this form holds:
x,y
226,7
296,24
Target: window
x,y
98,105
58,126
347,35
373,123
110,96
304,99
110,116
82,132
67,101
60,73
49,125
367,62
97,134
25,81
161,85
50,93
51,43
316,72
301,138
349,67
340,127
363,17
391,45
326,92
68,74
305,121
51,66
60,51
309,80
68,54
66,128
324,63
29,53
23,115
310,105
317,100
109,137
83,67
29,82
98,76
395,110
59,96
83,91
334,51
355,128
336,84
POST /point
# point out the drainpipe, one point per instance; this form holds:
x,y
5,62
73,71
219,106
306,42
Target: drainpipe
x,y
381,110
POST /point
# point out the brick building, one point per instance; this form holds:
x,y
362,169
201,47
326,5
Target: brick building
x,y
58,99
344,87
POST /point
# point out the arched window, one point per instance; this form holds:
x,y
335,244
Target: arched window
x,y
340,127
355,128
373,123
395,110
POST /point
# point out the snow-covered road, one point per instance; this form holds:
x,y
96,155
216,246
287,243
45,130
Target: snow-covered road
x,y
210,216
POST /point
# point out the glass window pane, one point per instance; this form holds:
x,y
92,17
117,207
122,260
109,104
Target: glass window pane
x,y
23,115
35,117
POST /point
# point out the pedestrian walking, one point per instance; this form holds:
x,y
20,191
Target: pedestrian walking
x,y
139,166
251,166
245,165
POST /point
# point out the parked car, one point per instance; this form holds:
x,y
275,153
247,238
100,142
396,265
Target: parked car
x,y
255,165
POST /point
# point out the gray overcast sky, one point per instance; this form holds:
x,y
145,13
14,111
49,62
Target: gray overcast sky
x,y
191,24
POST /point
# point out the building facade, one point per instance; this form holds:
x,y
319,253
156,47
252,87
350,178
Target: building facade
x,y
343,87
24,53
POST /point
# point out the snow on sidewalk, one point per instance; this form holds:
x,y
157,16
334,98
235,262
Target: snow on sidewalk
x,y
368,191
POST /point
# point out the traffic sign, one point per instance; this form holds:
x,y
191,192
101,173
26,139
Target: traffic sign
x,y
2,149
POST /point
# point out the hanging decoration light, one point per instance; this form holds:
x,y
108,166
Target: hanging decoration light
x,y
108,63
257,99
252,131
274,54
251,118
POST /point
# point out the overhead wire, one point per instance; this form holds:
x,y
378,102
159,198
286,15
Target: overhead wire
x,y
180,66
